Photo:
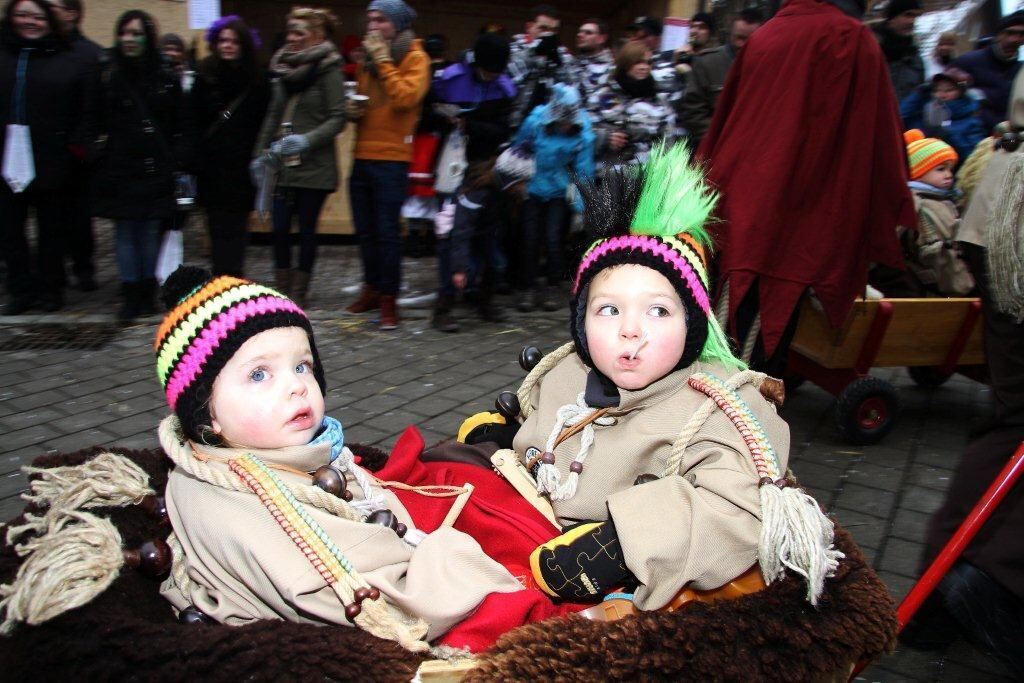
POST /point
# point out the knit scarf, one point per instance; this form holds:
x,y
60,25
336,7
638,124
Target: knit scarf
x,y
400,47
330,433
298,69
634,87
952,194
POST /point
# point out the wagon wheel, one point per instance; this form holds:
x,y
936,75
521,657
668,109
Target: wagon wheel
x,y
928,376
866,410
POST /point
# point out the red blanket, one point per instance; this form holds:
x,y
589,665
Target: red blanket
x,y
506,526
806,149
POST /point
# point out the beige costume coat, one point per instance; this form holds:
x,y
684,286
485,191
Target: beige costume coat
x,y
242,566
697,527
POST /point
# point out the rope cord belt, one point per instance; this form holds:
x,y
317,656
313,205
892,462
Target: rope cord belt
x,y
304,531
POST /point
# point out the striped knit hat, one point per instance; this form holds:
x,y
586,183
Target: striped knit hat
x,y
209,319
654,216
924,154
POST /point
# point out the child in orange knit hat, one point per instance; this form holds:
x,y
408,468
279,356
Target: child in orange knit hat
x,y
931,255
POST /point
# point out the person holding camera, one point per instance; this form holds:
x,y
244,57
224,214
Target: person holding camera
x,y
629,115
538,61
594,61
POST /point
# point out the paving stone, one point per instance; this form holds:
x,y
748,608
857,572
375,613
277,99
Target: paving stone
x,y
41,415
902,557
823,477
867,530
34,399
393,419
876,476
910,525
929,476
921,499
870,501
432,406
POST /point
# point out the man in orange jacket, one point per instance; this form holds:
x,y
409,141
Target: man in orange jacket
x,y
395,77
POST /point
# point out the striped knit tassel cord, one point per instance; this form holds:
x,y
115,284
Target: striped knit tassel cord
x,y
795,533
362,603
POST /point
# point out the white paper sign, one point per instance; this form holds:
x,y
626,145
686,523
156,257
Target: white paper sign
x,y
675,34
202,13
19,168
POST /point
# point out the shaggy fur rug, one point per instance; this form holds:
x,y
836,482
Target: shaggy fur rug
x,y
130,633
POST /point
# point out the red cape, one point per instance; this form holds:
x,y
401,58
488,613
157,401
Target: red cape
x,y
807,152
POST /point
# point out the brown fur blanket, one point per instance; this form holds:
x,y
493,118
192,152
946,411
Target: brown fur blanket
x,y
129,632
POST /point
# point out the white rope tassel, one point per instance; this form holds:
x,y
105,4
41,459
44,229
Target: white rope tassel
x,y
72,564
549,480
795,533
108,480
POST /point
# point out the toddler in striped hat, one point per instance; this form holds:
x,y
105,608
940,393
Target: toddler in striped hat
x,y
932,258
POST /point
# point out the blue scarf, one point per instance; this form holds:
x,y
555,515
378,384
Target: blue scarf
x,y
952,194
330,432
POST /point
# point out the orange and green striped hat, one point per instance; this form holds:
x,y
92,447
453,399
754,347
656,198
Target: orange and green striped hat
x,y
209,319
924,154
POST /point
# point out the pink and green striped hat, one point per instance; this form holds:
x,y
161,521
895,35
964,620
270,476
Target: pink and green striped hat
x,y
209,319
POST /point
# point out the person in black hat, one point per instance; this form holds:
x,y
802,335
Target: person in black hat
x,y
994,67
476,97
896,37
702,32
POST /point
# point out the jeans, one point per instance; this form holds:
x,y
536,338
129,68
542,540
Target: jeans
x,y
305,204
228,238
27,277
137,245
543,218
377,190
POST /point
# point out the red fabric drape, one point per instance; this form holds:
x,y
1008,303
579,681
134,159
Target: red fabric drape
x,y
807,152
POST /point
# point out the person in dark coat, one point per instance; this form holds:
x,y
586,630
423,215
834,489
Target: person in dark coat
x,y
994,67
42,86
943,109
78,219
478,98
139,133
982,595
896,37
229,99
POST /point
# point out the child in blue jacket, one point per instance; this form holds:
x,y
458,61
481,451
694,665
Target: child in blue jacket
x,y
560,135
943,109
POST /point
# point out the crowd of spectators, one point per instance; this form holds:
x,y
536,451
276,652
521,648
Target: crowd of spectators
x,y
510,122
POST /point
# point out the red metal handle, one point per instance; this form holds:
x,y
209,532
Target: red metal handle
x,y
949,554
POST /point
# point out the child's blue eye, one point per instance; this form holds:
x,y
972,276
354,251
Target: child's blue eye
x,y
608,309
659,312
258,375
303,367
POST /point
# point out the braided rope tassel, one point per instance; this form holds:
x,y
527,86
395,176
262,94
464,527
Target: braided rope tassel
x,y
795,533
549,480
317,546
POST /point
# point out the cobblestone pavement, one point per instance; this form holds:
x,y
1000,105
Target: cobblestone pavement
x,y
64,399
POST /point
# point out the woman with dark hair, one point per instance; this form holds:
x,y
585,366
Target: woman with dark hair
x,y
138,125
42,95
307,111
229,99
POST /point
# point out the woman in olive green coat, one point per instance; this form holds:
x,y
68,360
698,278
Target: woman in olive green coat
x,y
306,112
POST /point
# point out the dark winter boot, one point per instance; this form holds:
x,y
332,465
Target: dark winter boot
x,y
548,299
442,320
129,310
368,300
283,280
487,308
527,299
300,288
388,313
147,292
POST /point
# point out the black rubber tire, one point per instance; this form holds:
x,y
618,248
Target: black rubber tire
x,y
928,376
866,410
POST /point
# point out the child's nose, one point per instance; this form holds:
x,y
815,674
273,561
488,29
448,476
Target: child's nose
x,y
630,327
298,387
